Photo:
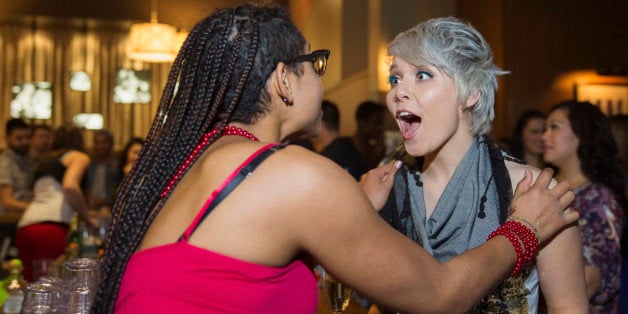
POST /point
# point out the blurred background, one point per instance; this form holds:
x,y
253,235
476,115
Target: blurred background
x,y
67,60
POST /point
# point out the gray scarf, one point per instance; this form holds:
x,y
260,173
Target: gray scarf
x,y
473,204
454,226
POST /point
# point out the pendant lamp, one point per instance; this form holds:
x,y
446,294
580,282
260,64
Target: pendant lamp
x,y
152,42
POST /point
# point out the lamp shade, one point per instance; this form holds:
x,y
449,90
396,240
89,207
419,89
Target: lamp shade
x,y
152,42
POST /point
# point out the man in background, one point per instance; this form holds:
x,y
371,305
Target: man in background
x,y
369,136
15,167
41,141
340,149
103,176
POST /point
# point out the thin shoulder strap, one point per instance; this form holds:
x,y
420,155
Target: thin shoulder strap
x,y
241,173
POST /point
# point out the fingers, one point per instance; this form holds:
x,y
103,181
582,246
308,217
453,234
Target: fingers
x,y
544,178
566,198
390,170
382,172
570,215
524,184
376,183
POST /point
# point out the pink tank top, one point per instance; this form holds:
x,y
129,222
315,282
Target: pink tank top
x,y
182,278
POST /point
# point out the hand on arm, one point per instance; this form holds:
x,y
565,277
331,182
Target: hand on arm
x,y
559,263
377,183
544,207
358,247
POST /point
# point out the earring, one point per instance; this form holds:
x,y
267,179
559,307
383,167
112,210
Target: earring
x,y
286,101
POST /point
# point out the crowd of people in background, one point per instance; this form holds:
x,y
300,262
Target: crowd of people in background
x,y
47,175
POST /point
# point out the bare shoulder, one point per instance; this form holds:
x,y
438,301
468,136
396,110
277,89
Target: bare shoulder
x,y
75,157
517,171
309,169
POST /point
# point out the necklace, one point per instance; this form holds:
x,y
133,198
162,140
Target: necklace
x,y
229,130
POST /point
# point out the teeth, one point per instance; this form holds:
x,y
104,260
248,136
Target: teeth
x,y
404,114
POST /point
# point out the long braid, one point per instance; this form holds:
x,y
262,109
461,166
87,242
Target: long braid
x,y
220,71
137,189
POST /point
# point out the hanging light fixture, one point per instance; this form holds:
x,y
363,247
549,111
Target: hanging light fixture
x,y
152,42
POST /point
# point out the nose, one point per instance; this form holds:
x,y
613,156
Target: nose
x,y
400,94
545,135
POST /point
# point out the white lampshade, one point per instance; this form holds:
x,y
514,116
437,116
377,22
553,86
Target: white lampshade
x,y
152,42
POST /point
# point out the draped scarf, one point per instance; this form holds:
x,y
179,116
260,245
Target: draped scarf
x,y
474,203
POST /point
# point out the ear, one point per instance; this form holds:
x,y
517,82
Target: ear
x,y
281,83
473,98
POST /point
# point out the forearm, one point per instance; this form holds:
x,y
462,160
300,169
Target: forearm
x,y
477,272
78,203
14,205
560,268
454,286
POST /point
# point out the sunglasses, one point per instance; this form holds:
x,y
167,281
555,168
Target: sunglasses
x,y
318,59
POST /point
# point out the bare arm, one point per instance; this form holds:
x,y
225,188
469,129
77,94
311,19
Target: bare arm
x,y
560,267
298,201
363,251
76,164
9,202
559,263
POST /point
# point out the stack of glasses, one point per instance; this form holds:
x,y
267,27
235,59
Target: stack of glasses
x,y
73,294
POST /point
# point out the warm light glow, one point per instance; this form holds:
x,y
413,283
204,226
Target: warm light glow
x,y
383,68
181,36
79,81
152,42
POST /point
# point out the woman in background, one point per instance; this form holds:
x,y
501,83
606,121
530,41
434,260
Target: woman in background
x,y
579,144
57,194
129,155
527,139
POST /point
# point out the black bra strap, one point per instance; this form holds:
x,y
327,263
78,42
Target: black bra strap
x,y
242,174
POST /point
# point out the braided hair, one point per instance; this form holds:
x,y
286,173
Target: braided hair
x,y
218,77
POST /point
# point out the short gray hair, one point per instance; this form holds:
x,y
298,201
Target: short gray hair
x,y
460,51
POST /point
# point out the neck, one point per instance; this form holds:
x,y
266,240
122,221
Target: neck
x,y
443,161
574,176
533,159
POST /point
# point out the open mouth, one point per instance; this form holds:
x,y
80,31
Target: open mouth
x,y
408,123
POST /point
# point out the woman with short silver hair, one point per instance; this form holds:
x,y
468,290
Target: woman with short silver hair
x,y
456,184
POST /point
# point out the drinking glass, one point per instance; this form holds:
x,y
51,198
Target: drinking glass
x,y
83,271
79,299
42,297
338,294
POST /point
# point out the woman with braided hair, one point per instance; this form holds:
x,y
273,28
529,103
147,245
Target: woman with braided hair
x,y
218,216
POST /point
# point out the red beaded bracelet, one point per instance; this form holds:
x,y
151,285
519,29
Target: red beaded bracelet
x,y
529,240
530,225
503,231
519,235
